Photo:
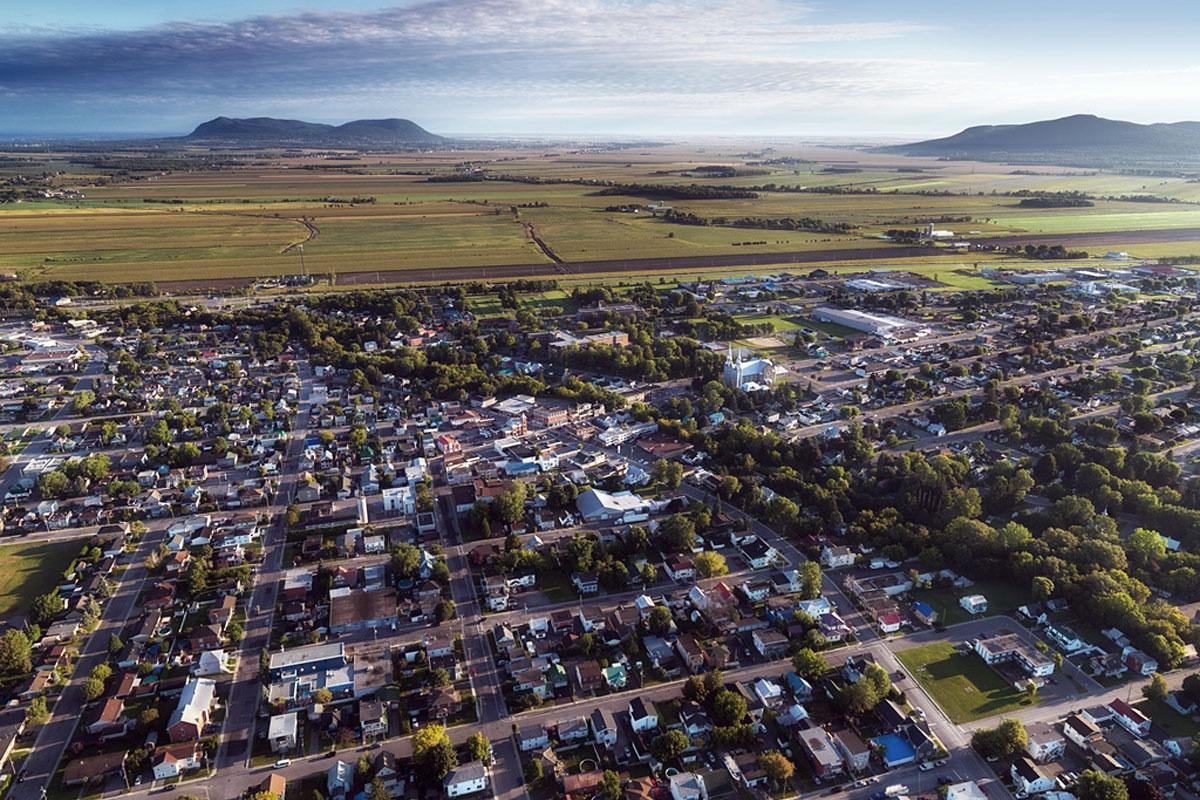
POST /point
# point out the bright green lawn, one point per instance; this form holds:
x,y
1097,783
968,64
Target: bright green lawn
x,y
962,685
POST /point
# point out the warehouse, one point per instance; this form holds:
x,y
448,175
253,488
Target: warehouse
x,y
874,324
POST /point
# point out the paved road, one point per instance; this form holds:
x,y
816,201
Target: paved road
x,y
237,733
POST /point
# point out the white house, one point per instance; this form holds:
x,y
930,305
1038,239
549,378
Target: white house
x,y
1130,718
974,604
176,760
642,715
1045,742
1029,777
466,779
399,500
837,557
281,732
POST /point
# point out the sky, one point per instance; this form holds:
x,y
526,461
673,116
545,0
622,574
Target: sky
x,y
654,68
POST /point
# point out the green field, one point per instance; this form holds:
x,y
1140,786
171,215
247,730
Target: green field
x,y
30,570
381,212
962,685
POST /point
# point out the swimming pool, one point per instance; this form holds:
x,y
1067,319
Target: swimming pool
x,y
896,749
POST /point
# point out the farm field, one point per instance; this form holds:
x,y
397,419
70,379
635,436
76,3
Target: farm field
x,y
961,684
387,218
30,570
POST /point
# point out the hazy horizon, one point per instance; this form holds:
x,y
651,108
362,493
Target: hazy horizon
x,y
594,68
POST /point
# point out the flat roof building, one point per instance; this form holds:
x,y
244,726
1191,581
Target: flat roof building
x,y
874,324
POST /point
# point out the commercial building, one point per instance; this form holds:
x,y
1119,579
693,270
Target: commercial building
x,y
874,324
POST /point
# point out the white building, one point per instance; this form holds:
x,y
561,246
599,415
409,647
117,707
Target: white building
x,y
874,324
974,604
466,779
749,374
399,500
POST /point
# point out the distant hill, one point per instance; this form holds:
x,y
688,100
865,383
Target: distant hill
x,y
1082,139
268,130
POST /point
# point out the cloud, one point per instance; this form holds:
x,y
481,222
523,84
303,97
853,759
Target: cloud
x,y
489,58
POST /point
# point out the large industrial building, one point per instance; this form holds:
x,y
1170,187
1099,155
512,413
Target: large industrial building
x,y
874,324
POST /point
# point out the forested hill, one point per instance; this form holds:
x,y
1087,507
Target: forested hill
x,y
1082,139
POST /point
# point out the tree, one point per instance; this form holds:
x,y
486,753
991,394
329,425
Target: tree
x,y
406,560
445,610
158,434
610,785
510,504
433,754
728,708
45,608
1005,739
677,534
148,717
322,696
53,485
660,620
14,652
378,789
1093,785
1042,588
92,688
777,766
668,747
649,573
668,473
534,772
810,580
439,678
710,564
858,698
809,665
1156,689
479,748
196,578
37,713
234,631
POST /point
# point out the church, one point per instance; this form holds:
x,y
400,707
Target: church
x,y
749,375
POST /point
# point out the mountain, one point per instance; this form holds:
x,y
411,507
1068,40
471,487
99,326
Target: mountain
x,y
1082,139
268,130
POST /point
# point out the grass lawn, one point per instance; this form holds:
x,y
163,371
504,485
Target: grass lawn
x,y
556,586
30,570
1175,724
962,685
1003,598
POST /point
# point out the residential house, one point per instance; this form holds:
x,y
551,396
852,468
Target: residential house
x,y
642,715
1030,777
281,732
1045,743
466,779
195,706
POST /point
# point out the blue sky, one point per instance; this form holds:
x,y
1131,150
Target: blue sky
x,y
652,67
